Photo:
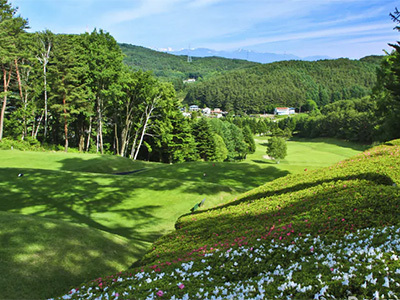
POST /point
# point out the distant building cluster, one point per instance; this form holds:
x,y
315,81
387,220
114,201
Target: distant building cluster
x,y
190,80
282,111
218,113
208,112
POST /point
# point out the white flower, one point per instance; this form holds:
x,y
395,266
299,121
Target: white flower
x,y
386,284
376,295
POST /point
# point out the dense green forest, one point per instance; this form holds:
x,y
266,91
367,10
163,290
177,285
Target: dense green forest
x,y
82,91
176,69
74,91
242,86
287,83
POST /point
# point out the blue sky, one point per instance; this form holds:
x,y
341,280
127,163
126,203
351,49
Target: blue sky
x,y
335,28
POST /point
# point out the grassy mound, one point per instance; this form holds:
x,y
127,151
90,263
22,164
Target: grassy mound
x,y
331,232
38,252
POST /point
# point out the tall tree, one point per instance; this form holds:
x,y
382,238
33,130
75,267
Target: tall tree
x,y
11,27
276,148
104,68
205,141
44,41
387,90
70,92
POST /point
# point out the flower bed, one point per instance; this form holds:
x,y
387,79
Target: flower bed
x,y
364,264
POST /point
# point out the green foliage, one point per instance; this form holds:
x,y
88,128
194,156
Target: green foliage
x,y
353,120
249,139
289,83
175,69
28,144
205,141
221,152
387,94
276,148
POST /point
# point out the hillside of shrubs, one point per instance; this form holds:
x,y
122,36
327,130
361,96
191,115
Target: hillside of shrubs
x,y
327,234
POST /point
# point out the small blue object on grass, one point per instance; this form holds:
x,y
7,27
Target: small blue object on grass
x,y
197,205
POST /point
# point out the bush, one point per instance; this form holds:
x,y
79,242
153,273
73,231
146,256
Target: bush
x,y
29,144
276,148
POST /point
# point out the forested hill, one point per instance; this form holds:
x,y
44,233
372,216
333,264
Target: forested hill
x,y
287,83
175,68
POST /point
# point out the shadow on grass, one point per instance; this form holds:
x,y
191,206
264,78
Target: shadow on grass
x,y
238,176
372,177
333,141
90,200
43,258
106,164
266,162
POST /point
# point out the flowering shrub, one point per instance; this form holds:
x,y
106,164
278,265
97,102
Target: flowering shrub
x,y
364,263
330,233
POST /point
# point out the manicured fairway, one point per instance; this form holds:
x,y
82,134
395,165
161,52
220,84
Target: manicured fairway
x,y
135,209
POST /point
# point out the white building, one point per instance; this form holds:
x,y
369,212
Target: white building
x,y
281,111
194,108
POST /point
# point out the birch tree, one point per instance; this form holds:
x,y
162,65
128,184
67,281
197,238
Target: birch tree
x,y
44,42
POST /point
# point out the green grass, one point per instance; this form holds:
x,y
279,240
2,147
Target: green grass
x,y
137,208
39,257
333,231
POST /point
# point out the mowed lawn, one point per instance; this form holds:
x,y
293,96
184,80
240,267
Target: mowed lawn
x,y
115,217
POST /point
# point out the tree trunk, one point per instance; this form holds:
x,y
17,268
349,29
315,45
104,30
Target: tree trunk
x,y
34,135
149,110
6,82
100,126
81,142
135,139
116,139
18,79
65,124
89,133
45,101
44,59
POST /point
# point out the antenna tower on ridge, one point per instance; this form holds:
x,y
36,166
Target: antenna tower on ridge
x,y
189,58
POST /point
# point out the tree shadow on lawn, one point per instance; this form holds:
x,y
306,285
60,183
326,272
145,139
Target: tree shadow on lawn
x,y
333,141
106,164
372,177
238,176
42,258
76,197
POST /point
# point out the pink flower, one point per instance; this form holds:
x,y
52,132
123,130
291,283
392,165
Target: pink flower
x,y
181,286
312,249
160,293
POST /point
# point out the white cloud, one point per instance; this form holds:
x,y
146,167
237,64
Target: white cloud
x,y
146,8
326,33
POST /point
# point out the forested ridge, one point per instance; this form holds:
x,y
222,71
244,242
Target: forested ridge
x,y
287,83
241,86
174,68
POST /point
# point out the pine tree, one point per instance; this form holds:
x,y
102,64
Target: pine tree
x,y
205,141
276,148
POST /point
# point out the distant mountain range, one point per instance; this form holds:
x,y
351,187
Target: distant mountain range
x,y
244,54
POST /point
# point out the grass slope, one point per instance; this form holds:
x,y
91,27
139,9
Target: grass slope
x,y
331,232
138,208
38,252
